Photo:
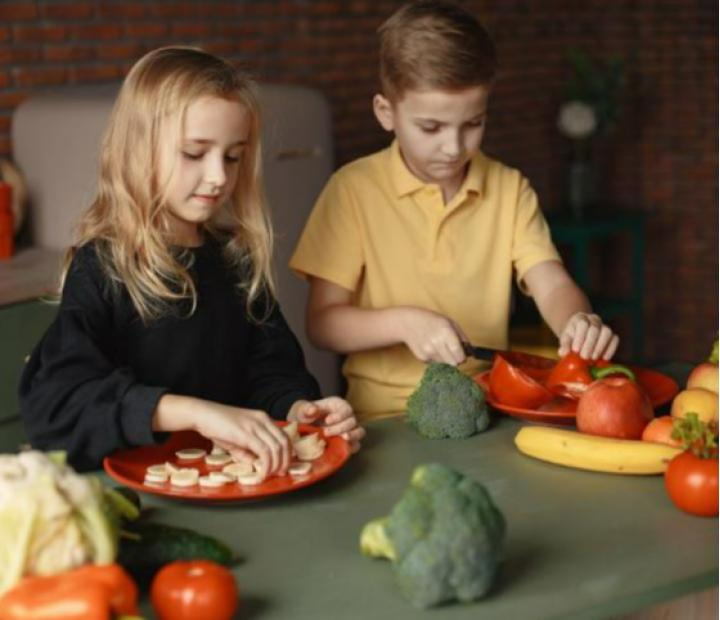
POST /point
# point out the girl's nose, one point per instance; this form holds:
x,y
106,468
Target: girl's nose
x,y
215,172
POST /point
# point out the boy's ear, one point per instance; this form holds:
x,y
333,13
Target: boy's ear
x,y
384,112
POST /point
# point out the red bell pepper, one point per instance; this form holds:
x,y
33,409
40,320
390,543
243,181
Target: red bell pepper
x,y
511,386
572,374
93,592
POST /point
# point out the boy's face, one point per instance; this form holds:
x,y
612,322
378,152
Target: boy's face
x,y
199,172
438,131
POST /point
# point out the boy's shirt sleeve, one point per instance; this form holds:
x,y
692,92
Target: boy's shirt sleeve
x,y
532,242
330,247
72,396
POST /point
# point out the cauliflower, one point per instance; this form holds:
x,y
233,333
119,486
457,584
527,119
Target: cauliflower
x,y
51,519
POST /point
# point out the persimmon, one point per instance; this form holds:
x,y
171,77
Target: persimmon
x,y
660,430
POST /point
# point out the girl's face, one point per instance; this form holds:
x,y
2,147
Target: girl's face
x,y
200,171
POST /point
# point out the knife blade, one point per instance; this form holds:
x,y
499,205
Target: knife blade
x,y
481,353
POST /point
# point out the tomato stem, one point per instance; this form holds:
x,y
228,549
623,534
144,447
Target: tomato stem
x,y
599,372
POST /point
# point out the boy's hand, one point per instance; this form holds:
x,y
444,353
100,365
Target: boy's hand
x,y
432,337
587,335
337,418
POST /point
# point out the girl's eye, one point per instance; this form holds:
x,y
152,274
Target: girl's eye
x,y
193,156
478,123
429,128
232,159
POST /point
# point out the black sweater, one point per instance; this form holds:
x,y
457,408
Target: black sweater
x,y
93,381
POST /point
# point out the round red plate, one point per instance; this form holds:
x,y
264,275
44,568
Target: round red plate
x,y
659,387
128,467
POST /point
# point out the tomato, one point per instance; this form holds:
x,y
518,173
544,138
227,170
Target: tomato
x,y
193,590
660,431
513,387
614,407
692,484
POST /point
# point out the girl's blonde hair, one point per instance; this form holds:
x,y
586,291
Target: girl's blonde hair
x,y
127,220
432,44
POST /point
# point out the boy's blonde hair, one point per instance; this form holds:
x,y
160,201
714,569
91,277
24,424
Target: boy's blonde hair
x,y
128,217
434,45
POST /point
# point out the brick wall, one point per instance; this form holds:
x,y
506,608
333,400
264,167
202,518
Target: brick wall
x,y
661,159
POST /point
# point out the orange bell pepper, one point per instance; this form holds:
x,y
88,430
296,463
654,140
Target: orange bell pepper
x,y
92,592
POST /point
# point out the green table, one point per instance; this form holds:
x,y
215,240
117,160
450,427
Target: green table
x,y
580,544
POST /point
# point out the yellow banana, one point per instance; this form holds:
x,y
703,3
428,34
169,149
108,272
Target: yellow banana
x,y
574,449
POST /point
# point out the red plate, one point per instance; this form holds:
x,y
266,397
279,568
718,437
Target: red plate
x,y
128,467
659,387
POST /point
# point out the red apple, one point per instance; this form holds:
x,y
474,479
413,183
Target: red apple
x,y
614,407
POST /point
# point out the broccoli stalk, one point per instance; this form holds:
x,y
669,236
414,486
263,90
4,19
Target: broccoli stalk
x,y
447,404
444,537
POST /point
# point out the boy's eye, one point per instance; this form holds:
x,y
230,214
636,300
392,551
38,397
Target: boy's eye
x,y
193,156
429,128
477,123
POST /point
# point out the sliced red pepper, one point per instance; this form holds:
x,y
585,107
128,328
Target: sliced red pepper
x,y
572,374
93,592
511,386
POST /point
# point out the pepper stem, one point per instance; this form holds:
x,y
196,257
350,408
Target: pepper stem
x,y
615,369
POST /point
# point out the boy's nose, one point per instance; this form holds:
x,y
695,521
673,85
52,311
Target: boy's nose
x,y
452,146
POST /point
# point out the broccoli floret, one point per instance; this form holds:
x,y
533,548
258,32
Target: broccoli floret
x,y
445,538
447,403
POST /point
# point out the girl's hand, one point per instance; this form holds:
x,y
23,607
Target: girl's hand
x,y
431,337
586,335
248,435
337,418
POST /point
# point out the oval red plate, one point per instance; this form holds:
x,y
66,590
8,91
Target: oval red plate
x,y
128,467
659,387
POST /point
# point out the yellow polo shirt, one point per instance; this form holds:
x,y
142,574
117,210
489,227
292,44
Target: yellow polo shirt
x,y
380,232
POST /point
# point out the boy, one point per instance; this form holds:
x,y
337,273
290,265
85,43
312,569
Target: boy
x,y
411,251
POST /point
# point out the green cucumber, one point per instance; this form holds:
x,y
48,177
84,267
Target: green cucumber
x,y
146,547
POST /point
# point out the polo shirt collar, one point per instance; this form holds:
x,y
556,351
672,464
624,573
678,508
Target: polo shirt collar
x,y
406,182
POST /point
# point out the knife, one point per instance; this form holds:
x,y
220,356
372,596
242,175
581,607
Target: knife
x,y
481,353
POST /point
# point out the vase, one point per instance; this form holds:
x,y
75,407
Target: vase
x,y
581,188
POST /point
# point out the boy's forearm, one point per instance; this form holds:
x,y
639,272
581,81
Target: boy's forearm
x,y
348,329
558,305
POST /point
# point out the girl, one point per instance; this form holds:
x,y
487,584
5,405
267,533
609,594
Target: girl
x,y
167,321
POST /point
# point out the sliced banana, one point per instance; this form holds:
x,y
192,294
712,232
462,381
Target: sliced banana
x,y
155,477
190,454
186,477
171,468
250,479
209,481
157,470
221,477
291,430
218,450
300,468
215,460
238,469
309,447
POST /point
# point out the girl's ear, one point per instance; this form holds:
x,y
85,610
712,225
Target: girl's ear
x,y
384,112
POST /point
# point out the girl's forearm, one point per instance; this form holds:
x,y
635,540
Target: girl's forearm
x,y
348,329
176,413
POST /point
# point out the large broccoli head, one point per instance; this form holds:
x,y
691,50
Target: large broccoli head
x,y
444,537
447,403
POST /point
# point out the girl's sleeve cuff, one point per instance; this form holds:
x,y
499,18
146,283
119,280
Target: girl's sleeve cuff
x,y
138,407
